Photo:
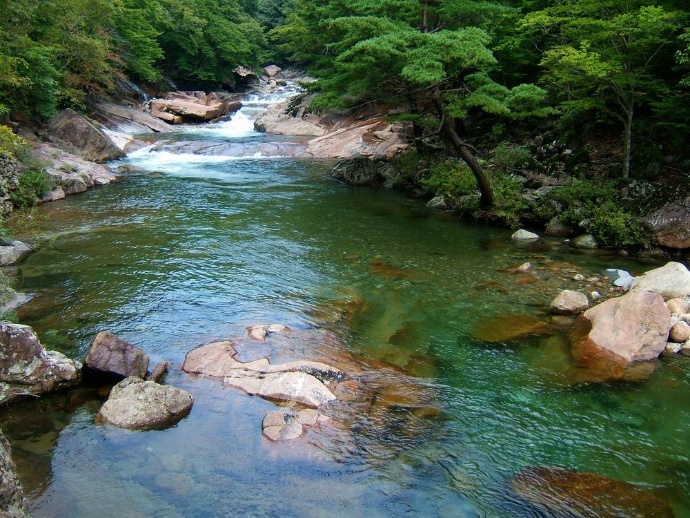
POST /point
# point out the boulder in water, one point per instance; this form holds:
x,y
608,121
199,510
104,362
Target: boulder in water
x,y
112,355
670,281
138,405
26,368
569,302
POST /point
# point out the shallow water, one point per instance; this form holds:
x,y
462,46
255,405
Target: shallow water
x,y
195,248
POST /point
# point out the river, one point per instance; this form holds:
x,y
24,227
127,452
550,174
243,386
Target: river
x,y
191,248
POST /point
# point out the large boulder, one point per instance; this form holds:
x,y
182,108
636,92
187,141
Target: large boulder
x,y
670,281
139,405
563,492
621,333
26,368
12,503
112,355
299,381
90,142
669,226
13,252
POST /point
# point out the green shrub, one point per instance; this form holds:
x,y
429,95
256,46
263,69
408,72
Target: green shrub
x,y
32,183
451,179
509,204
614,226
512,157
11,144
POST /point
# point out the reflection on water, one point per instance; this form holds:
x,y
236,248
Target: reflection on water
x,y
174,260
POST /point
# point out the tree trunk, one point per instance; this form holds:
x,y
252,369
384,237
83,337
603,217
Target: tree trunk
x,y
627,142
449,133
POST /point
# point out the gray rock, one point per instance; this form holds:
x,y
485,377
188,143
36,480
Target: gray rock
x,y
439,202
112,355
670,225
569,302
12,503
672,349
138,405
586,242
284,386
84,137
524,235
620,278
556,228
14,252
27,368
670,281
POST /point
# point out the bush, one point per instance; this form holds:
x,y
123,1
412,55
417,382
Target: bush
x,y
11,144
512,157
509,204
613,226
451,179
32,183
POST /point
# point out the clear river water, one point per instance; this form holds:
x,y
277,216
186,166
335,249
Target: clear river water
x,y
191,248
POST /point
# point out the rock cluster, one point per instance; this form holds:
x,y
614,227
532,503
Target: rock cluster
x,y
183,107
27,368
134,403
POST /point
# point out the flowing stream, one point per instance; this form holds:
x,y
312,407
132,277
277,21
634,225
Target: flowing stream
x,y
197,246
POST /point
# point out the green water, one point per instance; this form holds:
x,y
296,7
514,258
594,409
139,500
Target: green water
x,y
199,250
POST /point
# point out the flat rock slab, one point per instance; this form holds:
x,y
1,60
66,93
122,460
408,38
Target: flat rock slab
x,y
139,405
300,381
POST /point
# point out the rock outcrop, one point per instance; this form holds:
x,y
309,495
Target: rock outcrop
x,y
300,381
13,252
563,492
670,281
139,405
112,355
669,226
71,173
12,503
72,130
26,368
179,107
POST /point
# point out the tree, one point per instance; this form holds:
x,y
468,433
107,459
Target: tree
x,y
602,55
406,52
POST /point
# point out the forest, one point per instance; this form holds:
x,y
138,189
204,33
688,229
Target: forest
x,y
482,77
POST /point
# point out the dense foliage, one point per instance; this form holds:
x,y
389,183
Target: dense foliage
x,y
59,53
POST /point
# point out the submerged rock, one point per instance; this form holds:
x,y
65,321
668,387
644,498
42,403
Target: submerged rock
x,y
563,492
283,426
112,355
138,405
670,281
26,368
505,327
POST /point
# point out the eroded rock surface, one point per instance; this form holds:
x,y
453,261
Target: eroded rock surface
x,y
76,132
26,368
12,503
137,405
282,426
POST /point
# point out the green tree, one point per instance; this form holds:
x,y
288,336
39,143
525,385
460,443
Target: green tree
x,y
602,57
